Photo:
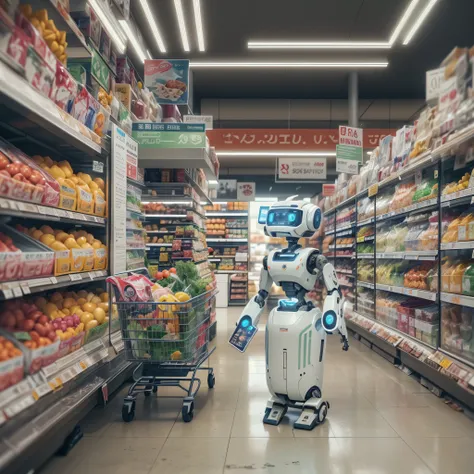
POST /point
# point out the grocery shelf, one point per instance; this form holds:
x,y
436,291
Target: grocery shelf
x,y
160,245
231,271
16,289
365,284
40,116
166,216
424,205
367,238
454,141
147,198
453,298
459,197
366,256
350,255
423,294
221,256
12,208
225,240
365,222
226,214
410,255
176,158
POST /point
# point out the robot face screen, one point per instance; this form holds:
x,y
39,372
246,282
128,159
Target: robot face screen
x,y
284,217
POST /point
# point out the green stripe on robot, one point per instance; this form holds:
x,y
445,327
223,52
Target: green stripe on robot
x,y
299,346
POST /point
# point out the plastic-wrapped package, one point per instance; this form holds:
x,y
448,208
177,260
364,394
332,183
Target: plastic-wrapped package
x,y
427,189
428,239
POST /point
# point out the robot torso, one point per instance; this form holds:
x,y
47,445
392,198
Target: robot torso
x,y
292,267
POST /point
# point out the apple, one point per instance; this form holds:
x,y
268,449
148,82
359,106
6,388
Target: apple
x,y
26,171
13,168
20,177
4,161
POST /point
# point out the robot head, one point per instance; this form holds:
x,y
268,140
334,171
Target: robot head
x,y
291,219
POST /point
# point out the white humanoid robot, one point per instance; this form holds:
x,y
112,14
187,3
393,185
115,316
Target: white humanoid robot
x,y
296,330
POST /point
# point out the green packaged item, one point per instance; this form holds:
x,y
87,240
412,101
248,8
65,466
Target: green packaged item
x,y
79,73
468,281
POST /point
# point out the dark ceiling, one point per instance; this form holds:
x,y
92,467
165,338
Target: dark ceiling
x,y
229,24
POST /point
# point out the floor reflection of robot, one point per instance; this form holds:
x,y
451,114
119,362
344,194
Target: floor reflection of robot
x,y
296,331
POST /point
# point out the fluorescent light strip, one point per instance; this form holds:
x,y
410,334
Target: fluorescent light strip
x,y
136,46
199,27
121,46
315,45
418,22
153,26
149,54
197,64
276,153
213,181
182,25
403,20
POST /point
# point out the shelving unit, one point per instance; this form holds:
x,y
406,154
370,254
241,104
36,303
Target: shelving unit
x,y
406,253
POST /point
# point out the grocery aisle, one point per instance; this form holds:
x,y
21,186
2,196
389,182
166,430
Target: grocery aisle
x,y
380,421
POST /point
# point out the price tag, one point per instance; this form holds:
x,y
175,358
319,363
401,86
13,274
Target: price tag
x,y
7,294
455,299
19,406
97,166
49,370
70,215
21,206
42,210
17,293
25,288
4,204
75,277
445,363
13,205
53,280
41,391
91,275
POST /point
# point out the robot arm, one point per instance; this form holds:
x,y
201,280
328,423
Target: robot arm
x,y
256,305
333,317
247,325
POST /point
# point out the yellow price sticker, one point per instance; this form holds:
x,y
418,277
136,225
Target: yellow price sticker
x,y
373,190
83,365
35,395
456,300
445,363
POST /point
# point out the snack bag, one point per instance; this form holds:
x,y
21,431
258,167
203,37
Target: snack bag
x,y
132,288
66,88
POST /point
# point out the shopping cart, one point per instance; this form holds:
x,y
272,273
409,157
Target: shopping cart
x,y
170,340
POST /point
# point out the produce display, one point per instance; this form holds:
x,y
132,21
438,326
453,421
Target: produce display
x,y
227,228
459,228
365,271
456,186
75,251
228,206
344,242
365,209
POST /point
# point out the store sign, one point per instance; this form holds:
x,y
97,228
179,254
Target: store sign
x,y
227,189
118,252
207,120
168,79
329,190
301,169
169,135
132,158
349,149
297,139
245,191
434,83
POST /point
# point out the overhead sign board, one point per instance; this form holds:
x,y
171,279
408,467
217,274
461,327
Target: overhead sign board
x,y
349,150
245,191
169,135
328,189
207,120
301,169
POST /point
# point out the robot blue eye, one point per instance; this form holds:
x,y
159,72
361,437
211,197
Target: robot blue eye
x,y
271,217
291,218
329,320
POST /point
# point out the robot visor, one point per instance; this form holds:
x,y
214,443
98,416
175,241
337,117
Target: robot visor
x,y
284,217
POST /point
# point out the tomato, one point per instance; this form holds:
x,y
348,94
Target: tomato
x,y
36,177
20,177
166,273
13,168
4,161
26,171
159,275
172,270
5,173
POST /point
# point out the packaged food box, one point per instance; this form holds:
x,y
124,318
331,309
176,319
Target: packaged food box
x,y
36,359
66,88
32,260
22,179
14,42
78,72
88,23
11,371
100,259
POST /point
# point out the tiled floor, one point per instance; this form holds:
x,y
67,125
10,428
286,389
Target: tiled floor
x,y
380,421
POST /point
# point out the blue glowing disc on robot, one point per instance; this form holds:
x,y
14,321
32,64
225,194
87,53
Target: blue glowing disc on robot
x,y
296,331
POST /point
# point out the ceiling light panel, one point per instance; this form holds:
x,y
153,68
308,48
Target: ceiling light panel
x,y
403,20
419,21
263,64
199,27
109,27
316,45
133,39
182,24
153,25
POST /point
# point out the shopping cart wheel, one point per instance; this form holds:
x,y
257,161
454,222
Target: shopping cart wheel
x,y
155,389
147,391
188,411
128,410
211,380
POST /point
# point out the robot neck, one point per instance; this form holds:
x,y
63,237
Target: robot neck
x,y
292,244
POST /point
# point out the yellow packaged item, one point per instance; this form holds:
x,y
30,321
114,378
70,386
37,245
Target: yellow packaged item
x,y
100,204
446,270
463,227
100,259
455,284
62,262
85,201
67,195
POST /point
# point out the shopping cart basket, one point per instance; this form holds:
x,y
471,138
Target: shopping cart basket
x,y
170,340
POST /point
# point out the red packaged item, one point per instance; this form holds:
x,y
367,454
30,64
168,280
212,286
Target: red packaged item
x,y
132,288
13,41
22,179
81,105
139,109
38,74
66,88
